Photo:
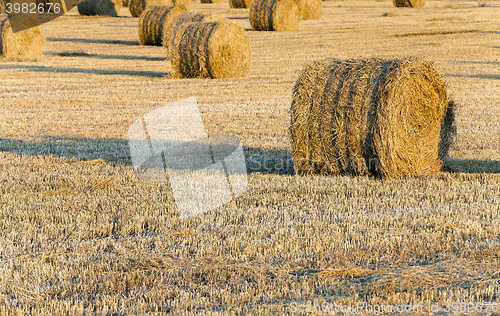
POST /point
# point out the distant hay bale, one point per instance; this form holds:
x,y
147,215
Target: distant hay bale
x,y
213,50
86,7
371,117
390,14
24,45
172,32
138,6
186,3
211,1
409,3
240,4
311,9
275,15
153,22
107,7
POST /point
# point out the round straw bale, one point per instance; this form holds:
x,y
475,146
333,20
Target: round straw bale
x,y
311,9
86,7
275,15
370,117
185,3
409,3
213,50
173,31
153,22
107,7
240,3
138,6
23,45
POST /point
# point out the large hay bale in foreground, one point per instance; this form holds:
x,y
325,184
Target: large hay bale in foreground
x,y
311,9
213,50
27,44
86,7
275,15
409,3
107,7
370,117
153,22
173,31
240,4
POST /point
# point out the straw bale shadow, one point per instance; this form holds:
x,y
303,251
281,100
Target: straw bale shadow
x,y
472,166
87,71
93,41
478,76
275,161
100,56
477,62
116,151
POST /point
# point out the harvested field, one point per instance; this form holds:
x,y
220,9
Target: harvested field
x,y
81,235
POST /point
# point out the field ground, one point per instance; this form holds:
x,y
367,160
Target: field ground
x,y
80,235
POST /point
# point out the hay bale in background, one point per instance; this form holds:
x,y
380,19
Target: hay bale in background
x,y
27,44
138,6
153,22
409,3
240,4
211,1
107,7
173,31
86,7
213,50
275,15
362,117
311,9
186,3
